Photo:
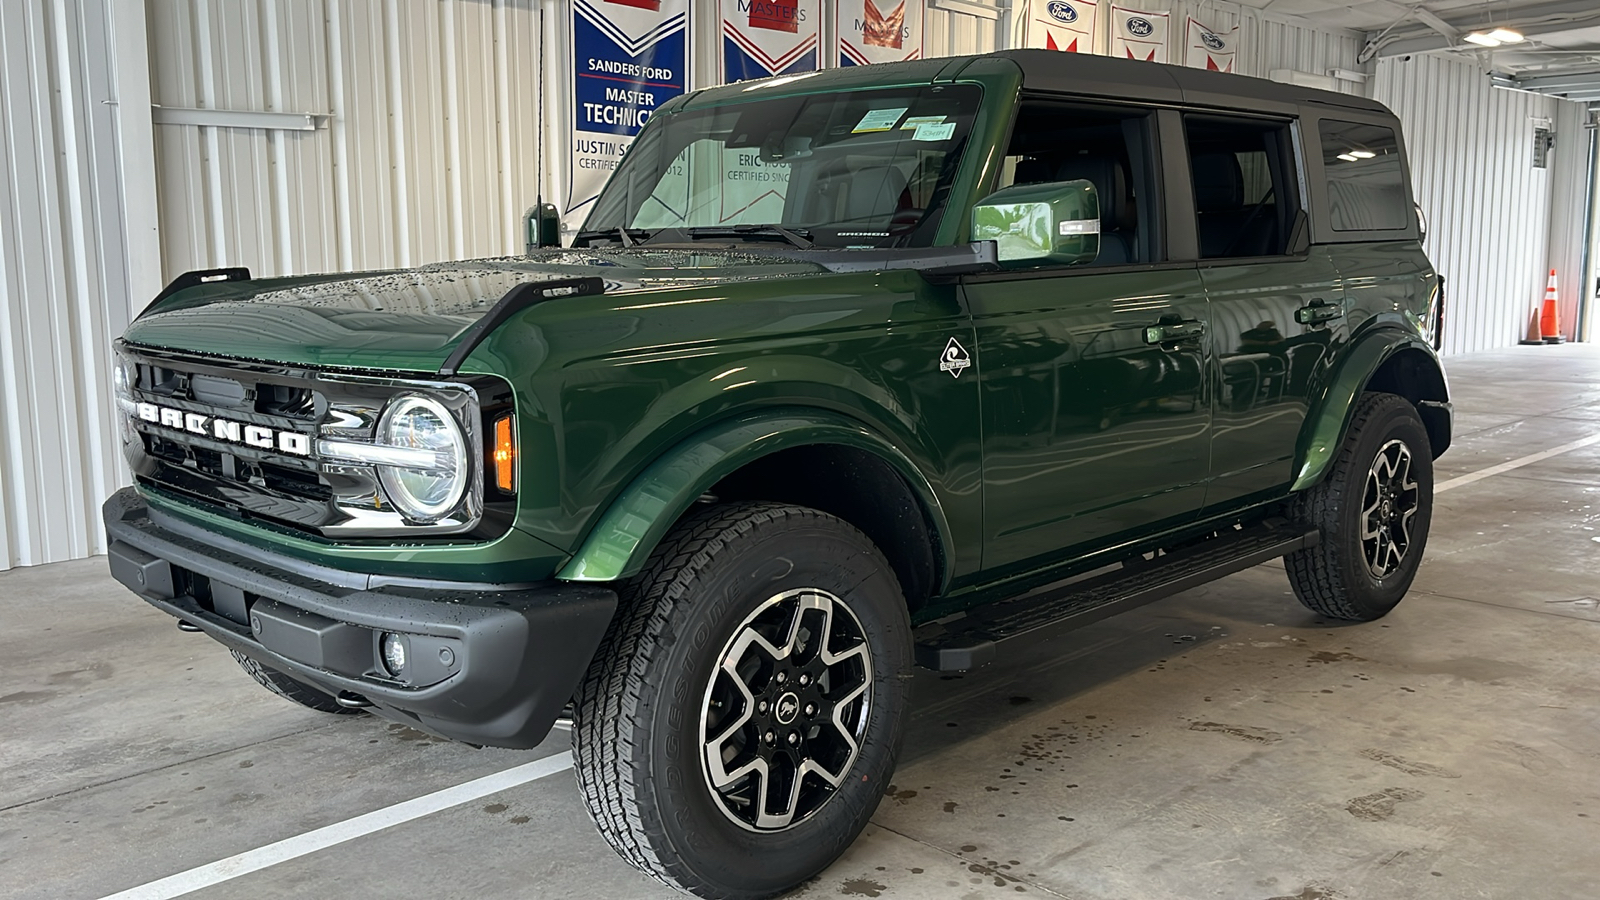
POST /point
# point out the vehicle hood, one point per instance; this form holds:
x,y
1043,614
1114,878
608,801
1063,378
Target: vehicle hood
x,y
411,319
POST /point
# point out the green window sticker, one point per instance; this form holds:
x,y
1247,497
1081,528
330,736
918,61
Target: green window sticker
x,y
879,120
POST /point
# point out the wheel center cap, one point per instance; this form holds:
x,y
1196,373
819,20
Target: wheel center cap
x,y
787,707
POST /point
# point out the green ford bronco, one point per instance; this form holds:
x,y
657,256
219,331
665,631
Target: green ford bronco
x,y
846,372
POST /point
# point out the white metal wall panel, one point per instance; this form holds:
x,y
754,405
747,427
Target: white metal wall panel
x,y
1569,162
1471,149
64,273
430,151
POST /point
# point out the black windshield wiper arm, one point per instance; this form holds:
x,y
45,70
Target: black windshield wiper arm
x,y
624,235
799,237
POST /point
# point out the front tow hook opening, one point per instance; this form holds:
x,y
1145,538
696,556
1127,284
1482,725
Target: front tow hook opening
x,y
188,627
352,700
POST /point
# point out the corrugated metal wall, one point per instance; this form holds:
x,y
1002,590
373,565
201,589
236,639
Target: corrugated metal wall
x,y
71,230
1493,235
430,152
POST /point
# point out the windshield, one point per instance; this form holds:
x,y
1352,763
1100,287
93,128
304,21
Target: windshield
x,y
856,169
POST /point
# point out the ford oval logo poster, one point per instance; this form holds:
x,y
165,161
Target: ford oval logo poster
x,y
1139,34
1140,27
1062,11
1212,41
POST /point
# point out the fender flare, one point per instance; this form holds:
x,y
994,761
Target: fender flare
x,y
631,527
1325,427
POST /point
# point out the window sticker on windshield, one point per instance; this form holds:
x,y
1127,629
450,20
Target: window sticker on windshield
x,y
912,122
934,132
879,120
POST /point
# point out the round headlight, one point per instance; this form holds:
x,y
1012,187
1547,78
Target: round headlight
x,y
429,493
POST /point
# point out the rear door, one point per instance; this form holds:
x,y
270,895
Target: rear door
x,y
1277,304
1092,433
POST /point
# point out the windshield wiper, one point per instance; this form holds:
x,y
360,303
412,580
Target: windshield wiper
x,y
799,237
625,235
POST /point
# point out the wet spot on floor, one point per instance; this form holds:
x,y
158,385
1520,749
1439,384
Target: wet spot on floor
x,y
495,809
968,848
862,887
950,806
407,733
247,764
1311,892
519,820
1473,668
1328,656
27,697
1380,806
902,796
1408,766
1243,732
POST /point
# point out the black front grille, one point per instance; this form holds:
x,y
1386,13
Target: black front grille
x,y
261,482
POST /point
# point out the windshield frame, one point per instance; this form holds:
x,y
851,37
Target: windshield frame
x,y
947,223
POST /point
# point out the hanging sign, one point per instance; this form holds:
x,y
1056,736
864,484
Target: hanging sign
x,y
769,37
871,34
1062,25
1210,49
629,57
1136,34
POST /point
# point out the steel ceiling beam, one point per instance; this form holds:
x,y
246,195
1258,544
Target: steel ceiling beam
x,y
1564,80
1531,21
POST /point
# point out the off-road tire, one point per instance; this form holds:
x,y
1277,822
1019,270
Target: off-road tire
x,y
286,687
637,721
1333,578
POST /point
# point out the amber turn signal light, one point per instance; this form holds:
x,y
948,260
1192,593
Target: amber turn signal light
x,y
505,455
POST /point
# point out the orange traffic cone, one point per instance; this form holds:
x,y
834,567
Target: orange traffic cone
x,y
1550,318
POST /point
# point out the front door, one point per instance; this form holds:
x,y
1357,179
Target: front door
x,y
1094,395
1091,431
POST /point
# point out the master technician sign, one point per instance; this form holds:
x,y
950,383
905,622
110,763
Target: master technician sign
x,y
630,57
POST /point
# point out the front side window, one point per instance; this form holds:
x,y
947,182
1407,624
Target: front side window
x,y
1366,185
858,169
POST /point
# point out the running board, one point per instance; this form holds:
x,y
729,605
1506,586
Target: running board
x,y
967,642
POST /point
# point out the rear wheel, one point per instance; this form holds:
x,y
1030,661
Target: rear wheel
x,y
289,689
740,720
1373,507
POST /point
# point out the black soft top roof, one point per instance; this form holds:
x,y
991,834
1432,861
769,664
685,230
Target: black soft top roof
x,y
1105,76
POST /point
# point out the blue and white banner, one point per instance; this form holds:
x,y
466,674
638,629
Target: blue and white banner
x,y
629,58
878,32
769,37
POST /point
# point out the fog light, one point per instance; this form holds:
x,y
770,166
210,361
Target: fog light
x,y
393,648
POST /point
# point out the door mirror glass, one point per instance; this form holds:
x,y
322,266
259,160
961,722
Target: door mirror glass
x,y
542,226
1055,223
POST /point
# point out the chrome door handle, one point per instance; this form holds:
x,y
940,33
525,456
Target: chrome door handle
x,y
1170,333
1318,311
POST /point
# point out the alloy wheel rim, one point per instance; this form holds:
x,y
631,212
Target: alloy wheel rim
x,y
1389,505
786,709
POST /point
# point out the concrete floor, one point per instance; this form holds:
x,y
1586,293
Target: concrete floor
x,y
1222,743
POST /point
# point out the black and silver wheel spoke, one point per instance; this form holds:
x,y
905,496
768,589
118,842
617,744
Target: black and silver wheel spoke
x,y
1389,504
785,709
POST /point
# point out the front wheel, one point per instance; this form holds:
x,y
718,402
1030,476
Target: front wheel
x,y
1373,507
741,718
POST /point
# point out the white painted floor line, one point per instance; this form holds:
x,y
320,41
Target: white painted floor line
x,y
339,832
1518,463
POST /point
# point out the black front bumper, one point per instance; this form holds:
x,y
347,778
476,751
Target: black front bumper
x,y
486,665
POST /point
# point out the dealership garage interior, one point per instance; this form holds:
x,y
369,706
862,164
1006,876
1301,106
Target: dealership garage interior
x,y
1221,742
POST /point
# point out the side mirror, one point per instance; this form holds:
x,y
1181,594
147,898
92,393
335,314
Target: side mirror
x,y
1056,223
541,226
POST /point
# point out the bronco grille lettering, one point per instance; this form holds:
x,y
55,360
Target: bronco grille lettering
x,y
221,429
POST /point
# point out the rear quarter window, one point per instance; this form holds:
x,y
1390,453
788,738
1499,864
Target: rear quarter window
x,y
1366,181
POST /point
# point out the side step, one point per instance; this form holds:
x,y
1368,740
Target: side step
x,y
969,641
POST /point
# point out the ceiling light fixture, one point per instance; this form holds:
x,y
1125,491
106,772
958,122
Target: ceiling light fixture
x,y
1482,40
1506,36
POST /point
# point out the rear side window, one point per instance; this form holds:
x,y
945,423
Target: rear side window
x,y
1245,192
1366,187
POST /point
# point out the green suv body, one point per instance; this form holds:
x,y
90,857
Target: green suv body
x,y
845,370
